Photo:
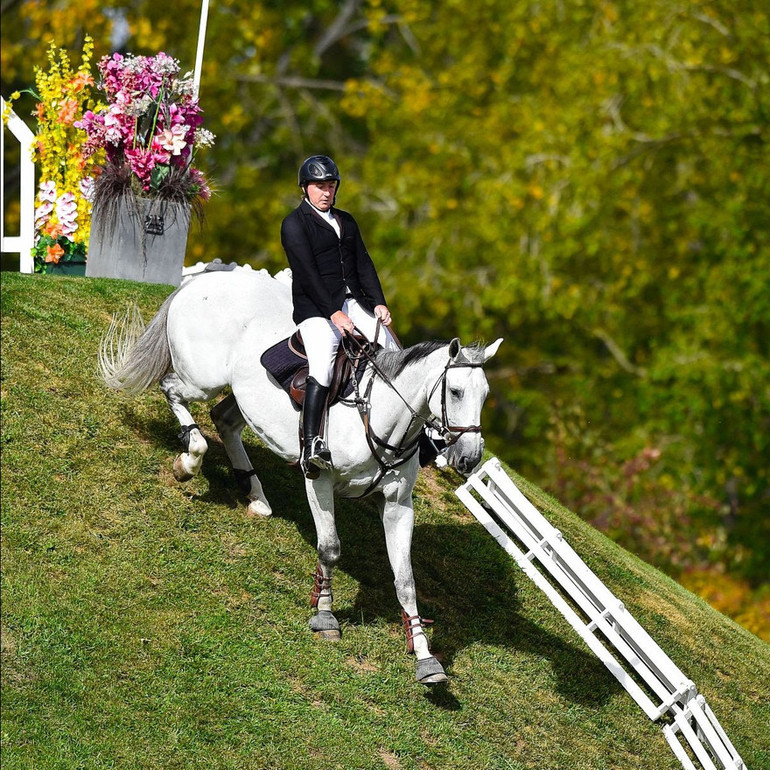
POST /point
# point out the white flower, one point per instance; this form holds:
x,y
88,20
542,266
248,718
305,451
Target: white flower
x,y
86,186
47,191
69,228
67,213
42,212
185,85
204,137
138,107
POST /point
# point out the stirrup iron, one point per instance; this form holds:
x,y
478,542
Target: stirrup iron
x,y
316,458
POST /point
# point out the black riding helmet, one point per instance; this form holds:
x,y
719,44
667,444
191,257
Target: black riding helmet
x,y
318,168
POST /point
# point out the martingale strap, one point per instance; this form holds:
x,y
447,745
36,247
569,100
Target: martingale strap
x,y
403,452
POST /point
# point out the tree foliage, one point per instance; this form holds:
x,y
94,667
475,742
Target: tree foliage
x,y
588,180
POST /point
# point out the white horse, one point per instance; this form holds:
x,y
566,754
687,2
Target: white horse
x,y
210,333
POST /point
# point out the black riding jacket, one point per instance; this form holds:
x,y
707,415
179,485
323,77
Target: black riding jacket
x,y
325,267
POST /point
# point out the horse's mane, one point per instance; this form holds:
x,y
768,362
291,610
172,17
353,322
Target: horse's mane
x,y
393,362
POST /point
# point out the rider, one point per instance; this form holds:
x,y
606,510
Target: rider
x,y
335,289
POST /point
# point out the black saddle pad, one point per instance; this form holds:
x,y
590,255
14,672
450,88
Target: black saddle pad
x,y
284,359
282,362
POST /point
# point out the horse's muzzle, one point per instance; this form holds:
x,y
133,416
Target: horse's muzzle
x,y
465,454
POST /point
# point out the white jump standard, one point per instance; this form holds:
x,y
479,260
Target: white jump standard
x,y
645,671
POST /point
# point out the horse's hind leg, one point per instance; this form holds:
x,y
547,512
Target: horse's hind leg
x,y
188,463
229,422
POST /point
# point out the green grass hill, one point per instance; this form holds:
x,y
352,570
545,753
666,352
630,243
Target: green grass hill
x,y
151,624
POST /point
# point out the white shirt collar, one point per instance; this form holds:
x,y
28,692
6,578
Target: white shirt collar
x,y
327,215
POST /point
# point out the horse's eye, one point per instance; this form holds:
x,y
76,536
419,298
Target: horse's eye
x,y
456,393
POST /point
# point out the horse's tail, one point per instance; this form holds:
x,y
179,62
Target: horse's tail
x,y
133,357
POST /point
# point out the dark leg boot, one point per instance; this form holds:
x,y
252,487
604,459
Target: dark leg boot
x,y
430,448
315,454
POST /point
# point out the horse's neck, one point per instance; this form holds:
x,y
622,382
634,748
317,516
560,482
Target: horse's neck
x,y
412,387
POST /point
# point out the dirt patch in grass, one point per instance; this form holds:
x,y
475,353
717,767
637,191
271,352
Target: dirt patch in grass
x,y
390,760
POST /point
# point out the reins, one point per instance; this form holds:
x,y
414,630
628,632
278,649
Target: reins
x,y
403,452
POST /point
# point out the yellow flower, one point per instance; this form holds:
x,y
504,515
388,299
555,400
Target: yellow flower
x,y
64,95
67,115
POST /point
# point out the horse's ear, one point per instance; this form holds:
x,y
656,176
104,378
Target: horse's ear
x,y
490,350
455,349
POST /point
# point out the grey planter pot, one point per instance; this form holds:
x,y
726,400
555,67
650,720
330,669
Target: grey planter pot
x,y
144,243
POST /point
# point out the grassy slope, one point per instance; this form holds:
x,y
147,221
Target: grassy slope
x,y
148,624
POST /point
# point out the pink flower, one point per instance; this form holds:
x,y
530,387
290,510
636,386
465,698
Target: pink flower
x,y
47,192
173,139
160,154
114,128
151,119
142,162
86,186
42,212
200,181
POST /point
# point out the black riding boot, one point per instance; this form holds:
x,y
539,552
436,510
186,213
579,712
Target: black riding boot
x,y
315,454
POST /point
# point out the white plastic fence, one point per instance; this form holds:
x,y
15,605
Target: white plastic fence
x,y
649,676
22,243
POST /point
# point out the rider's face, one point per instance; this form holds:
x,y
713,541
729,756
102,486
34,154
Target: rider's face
x,y
321,194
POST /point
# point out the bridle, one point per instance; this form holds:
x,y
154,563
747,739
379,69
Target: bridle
x,y
403,451
453,433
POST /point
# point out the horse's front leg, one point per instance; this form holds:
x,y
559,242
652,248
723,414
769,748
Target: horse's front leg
x,y
188,463
230,422
320,496
398,522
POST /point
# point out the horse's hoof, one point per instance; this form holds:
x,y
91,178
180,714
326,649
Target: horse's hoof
x,y
259,508
430,672
329,636
180,474
325,626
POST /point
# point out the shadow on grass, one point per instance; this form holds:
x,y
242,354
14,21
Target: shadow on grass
x,y
464,579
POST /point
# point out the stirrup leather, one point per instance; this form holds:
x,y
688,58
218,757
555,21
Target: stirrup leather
x,y
413,625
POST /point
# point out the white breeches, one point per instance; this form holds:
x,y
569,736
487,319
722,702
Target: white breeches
x,y
322,338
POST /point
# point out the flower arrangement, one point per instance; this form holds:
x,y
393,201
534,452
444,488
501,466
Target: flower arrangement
x,y
66,171
149,130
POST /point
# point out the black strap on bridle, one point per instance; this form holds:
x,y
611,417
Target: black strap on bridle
x,y
453,433
403,452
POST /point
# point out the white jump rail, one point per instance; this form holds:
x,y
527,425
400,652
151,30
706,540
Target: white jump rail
x,y
649,676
